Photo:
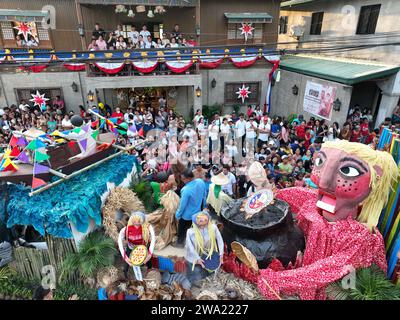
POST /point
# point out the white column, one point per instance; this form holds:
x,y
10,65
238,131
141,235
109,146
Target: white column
x,y
386,108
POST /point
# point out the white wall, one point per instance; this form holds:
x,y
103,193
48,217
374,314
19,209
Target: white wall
x,y
64,80
284,102
341,19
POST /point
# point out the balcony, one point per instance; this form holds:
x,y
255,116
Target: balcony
x,y
127,63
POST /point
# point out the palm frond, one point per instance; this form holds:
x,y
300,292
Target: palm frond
x,y
371,284
95,251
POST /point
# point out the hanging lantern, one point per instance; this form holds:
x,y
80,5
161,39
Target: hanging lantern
x,y
150,14
159,10
140,9
120,8
131,14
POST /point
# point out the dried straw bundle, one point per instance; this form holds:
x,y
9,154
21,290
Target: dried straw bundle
x,y
163,221
119,199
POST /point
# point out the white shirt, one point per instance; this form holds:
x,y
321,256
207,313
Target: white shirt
x,y
225,129
145,34
126,117
201,128
174,45
191,134
240,127
213,131
148,45
228,188
120,45
23,107
250,131
134,35
138,118
263,126
232,150
66,123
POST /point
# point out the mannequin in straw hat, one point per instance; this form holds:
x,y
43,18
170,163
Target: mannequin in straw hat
x,y
216,197
137,232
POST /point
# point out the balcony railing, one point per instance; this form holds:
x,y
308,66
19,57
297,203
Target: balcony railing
x,y
138,62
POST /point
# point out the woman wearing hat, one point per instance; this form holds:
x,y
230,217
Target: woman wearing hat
x,y
216,197
204,247
137,233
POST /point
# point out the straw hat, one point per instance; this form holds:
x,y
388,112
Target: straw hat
x,y
220,179
244,255
257,174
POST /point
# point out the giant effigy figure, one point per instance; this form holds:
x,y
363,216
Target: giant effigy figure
x,y
338,219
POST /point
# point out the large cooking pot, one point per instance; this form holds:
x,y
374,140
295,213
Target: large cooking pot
x,y
269,234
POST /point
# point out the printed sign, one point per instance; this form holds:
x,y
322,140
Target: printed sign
x,y
318,99
259,201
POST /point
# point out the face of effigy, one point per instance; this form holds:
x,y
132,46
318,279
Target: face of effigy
x,y
343,182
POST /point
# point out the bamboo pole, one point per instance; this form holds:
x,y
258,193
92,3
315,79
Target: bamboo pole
x,y
74,174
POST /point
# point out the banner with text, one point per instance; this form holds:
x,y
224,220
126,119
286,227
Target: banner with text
x,y
318,99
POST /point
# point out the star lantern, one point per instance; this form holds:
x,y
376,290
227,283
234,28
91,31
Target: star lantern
x,y
39,100
24,29
243,93
247,30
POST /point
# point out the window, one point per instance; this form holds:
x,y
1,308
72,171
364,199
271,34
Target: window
x,y
231,97
316,23
368,19
283,22
50,93
235,34
9,34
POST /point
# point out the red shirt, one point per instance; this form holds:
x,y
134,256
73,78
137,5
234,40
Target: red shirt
x,y
134,235
301,132
118,115
355,136
364,129
370,138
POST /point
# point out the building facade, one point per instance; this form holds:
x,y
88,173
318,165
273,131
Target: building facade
x,y
357,35
71,23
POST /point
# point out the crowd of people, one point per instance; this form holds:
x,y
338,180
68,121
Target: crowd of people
x,y
137,39
285,147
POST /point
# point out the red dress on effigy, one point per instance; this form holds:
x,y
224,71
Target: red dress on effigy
x,y
331,250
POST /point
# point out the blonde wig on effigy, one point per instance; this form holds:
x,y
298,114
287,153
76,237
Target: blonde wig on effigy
x,y
380,185
139,216
199,245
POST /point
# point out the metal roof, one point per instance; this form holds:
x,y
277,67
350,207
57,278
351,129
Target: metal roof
x,y
294,2
342,71
256,17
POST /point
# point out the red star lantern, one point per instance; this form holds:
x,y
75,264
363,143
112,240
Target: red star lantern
x,y
243,93
39,100
247,30
24,29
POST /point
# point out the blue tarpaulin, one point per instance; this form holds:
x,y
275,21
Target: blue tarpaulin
x,y
75,200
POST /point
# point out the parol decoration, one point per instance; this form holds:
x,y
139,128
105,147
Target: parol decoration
x,y
247,30
243,93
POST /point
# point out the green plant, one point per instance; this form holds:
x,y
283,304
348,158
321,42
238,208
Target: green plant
x,y
144,191
370,284
64,291
96,251
236,108
14,286
209,111
291,117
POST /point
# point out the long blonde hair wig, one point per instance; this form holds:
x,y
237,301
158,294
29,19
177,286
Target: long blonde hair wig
x,y
380,185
